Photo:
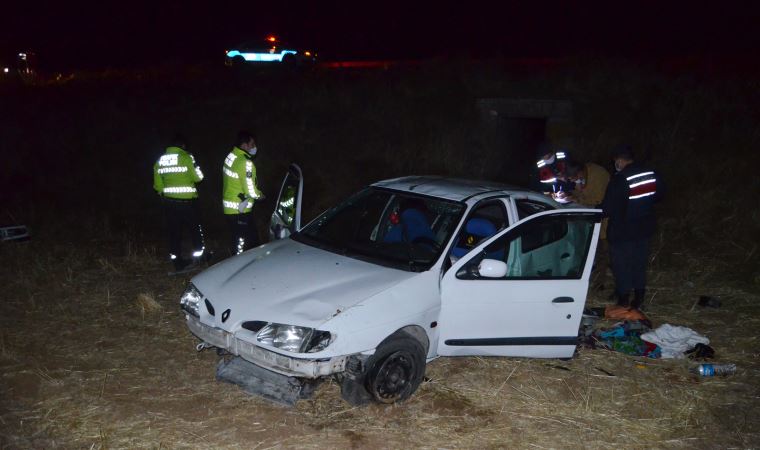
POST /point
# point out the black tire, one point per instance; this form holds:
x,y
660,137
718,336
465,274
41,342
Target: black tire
x,y
396,369
238,61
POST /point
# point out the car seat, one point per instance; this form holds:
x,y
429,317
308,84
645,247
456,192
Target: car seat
x,y
475,231
412,225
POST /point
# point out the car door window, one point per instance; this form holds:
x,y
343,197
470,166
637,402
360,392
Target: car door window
x,y
550,247
527,208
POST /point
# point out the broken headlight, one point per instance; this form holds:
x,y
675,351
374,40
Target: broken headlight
x,y
294,339
190,300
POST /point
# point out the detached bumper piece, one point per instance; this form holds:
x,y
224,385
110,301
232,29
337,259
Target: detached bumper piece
x,y
270,385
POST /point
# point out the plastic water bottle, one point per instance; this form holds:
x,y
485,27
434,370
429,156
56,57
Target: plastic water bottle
x,y
711,370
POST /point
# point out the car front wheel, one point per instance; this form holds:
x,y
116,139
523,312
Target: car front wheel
x,y
396,369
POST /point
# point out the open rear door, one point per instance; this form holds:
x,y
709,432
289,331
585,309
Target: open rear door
x,y
286,218
522,292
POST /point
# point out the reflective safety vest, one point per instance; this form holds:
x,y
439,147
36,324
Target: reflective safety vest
x,y
642,193
547,173
175,175
239,175
629,203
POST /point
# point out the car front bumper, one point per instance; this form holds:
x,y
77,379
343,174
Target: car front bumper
x,y
276,362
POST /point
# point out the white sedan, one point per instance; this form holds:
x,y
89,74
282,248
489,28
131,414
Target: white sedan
x,y
400,273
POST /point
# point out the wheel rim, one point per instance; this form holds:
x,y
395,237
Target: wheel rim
x,y
394,376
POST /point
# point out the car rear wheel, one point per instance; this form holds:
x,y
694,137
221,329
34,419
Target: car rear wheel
x,y
396,369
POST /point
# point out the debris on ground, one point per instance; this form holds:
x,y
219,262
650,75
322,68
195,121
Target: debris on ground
x,y
707,301
674,340
625,337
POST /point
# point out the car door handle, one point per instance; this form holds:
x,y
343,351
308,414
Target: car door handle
x,y
563,300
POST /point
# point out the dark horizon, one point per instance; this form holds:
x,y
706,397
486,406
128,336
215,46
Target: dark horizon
x,y
135,34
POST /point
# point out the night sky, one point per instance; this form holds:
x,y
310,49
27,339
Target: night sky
x,y
136,33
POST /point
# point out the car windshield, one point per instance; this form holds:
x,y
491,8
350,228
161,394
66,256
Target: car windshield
x,y
386,227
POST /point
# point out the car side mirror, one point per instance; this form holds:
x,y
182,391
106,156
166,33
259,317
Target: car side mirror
x,y
492,268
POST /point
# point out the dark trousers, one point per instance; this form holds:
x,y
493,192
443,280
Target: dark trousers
x,y
244,233
629,265
181,215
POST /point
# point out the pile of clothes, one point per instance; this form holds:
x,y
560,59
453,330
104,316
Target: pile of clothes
x,y
634,335
625,337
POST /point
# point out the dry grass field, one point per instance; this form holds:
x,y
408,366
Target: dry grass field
x,y
94,354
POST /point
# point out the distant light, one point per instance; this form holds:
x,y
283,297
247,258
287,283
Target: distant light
x,y
307,53
22,55
271,39
6,70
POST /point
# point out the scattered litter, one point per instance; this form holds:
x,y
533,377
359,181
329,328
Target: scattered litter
x,y
708,301
701,352
625,337
711,370
606,372
617,312
19,233
674,340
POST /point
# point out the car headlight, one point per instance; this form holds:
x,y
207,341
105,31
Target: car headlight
x,y
294,339
190,300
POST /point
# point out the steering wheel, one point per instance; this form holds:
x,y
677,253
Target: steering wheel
x,y
424,240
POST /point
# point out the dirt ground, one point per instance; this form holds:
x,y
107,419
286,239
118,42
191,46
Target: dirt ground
x,y
94,353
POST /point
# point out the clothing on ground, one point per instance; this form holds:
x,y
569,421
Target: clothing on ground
x,y
674,340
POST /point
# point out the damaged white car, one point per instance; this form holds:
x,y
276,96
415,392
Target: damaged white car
x,y
400,273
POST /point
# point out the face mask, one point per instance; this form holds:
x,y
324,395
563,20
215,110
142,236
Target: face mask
x,y
252,151
550,160
618,167
580,181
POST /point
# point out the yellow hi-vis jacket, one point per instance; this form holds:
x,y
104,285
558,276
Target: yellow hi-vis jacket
x,y
175,175
239,182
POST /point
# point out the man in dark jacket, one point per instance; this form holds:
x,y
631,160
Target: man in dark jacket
x,y
629,203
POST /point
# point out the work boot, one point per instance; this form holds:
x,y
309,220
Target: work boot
x,y
623,300
638,298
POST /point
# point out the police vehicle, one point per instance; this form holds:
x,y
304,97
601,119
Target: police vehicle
x,y
270,50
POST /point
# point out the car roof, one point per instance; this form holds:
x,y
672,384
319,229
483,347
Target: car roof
x,y
456,189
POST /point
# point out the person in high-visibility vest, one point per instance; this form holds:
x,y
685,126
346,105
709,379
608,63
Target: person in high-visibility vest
x,y
240,191
175,178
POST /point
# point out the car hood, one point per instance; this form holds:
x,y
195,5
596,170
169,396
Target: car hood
x,y
289,282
